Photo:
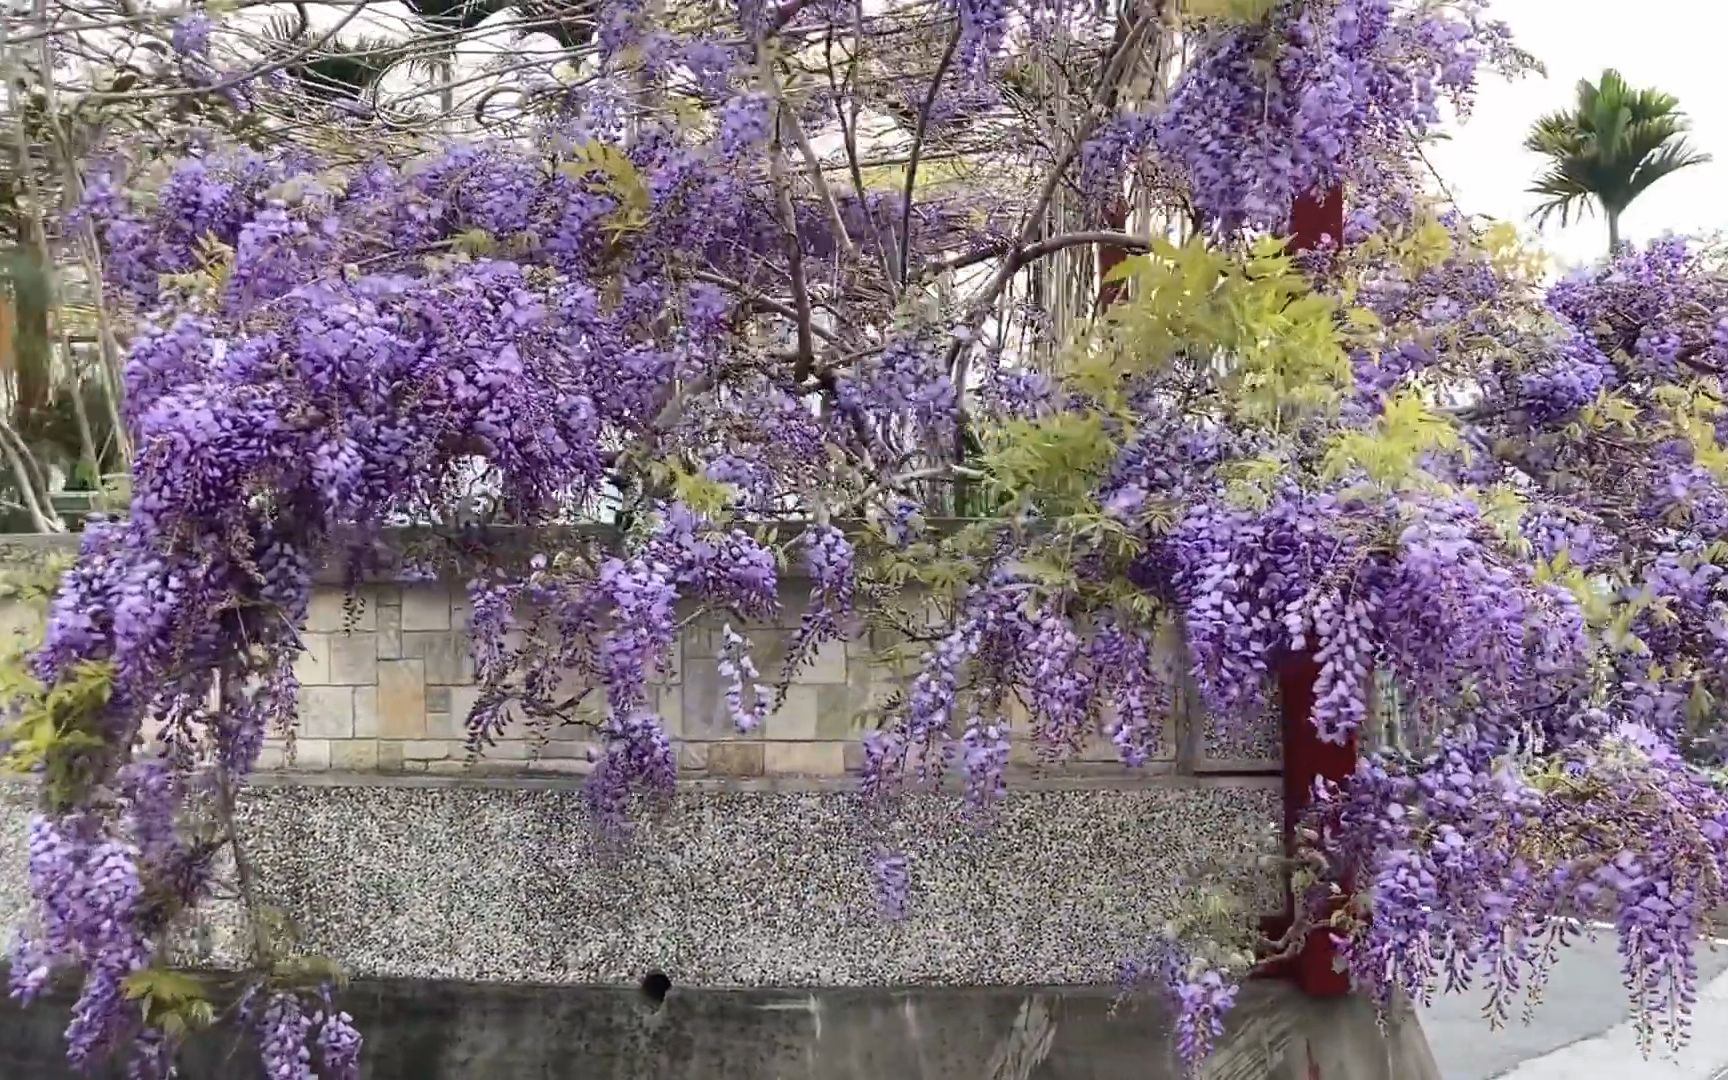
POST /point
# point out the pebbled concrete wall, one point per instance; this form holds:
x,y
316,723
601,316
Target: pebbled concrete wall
x,y
729,885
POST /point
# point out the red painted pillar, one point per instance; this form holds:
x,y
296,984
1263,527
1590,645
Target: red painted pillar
x,y
1307,757
1315,217
1110,256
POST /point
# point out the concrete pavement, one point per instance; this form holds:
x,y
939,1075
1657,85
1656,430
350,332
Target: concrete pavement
x,y
1581,1030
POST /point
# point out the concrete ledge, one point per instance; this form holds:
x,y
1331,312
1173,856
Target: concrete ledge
x,y
1110,777
443,1031
501,882
451,553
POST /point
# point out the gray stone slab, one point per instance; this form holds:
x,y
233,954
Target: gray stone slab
x,y
442,1031
1585,996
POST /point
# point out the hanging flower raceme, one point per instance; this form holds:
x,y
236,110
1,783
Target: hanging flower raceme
x,y
1290,103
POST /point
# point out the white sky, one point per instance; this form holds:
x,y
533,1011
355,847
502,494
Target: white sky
x,y
1674,45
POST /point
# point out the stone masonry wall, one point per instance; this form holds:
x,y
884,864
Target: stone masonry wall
x,y
387,683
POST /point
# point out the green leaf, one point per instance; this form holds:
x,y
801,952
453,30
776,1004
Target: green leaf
x,y
310,972
1236,11
475,242
162,984
604,168
1389,453
704,495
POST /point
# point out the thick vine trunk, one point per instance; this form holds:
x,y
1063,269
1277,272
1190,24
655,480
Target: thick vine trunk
x,y
30,353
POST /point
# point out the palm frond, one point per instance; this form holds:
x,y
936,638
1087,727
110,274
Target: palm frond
x,y
285,29
456,14
1651,103
571,25
1665,161
347,70
1567,196
426,61
1555,135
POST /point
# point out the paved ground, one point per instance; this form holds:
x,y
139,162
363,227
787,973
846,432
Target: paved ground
x,y
1581,1031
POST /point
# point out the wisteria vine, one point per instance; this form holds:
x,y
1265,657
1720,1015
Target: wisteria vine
x,y
1404,458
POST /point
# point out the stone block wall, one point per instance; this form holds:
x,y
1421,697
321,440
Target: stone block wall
x,y
387,683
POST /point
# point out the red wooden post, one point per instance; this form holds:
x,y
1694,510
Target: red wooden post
x,y
1315,217
1110,256
1307,757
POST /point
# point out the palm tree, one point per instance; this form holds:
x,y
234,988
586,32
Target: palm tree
x,y
1608,149
349,71
447,20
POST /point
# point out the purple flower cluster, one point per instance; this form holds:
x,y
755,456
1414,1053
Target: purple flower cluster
x,y
283,1028
1116,143
637,758
829,558
1565,382
1199,994
892,872
191,34
641,597
906,384
1253,136
1435,601
728,567
89,896
984,757
1480,863
902,522
1139,699
746,699
744,124
337,1043
1059,686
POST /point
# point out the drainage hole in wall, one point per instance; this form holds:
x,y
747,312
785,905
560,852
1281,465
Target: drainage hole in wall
x,y
655,984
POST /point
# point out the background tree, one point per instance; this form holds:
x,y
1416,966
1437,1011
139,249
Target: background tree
x,y
1608,149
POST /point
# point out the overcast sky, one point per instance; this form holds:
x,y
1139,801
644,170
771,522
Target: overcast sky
x,y
1672,44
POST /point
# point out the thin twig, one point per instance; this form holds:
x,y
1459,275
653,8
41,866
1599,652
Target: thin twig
x,y
242,865
924,111
1025,256
846,112
787,219
235,80
763,301
813,165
